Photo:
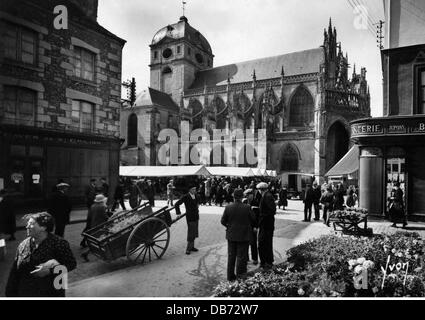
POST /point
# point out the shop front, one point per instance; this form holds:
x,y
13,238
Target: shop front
x,y
32,161
391,149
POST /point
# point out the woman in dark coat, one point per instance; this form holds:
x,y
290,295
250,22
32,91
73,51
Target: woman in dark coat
x,y
42,261
7,216
396,209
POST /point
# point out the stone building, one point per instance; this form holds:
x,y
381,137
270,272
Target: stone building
x,y
60,98
304,100
392,147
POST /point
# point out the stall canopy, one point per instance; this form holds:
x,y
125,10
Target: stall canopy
x,y
163,171
231,171
347,165
271,173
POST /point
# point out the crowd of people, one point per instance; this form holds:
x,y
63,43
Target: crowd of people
x,y
328,197
249,219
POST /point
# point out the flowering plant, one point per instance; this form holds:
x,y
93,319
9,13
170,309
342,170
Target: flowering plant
x,y
318,268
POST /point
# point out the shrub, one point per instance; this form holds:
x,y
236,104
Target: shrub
x,y
326,267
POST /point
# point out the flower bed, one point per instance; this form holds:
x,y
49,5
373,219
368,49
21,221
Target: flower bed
x,y
329,266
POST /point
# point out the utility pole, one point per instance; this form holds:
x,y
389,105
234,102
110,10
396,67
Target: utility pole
x,y
379,35
131,90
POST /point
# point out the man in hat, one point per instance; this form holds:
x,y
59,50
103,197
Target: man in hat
x,y
191,202
239,220
98,214
308,203
267,209
150,193
316,200
59,206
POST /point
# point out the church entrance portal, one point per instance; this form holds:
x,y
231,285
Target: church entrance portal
x,y
337,144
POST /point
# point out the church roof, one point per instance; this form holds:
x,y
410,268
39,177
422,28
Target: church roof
x,y
182,30
151,97
301,62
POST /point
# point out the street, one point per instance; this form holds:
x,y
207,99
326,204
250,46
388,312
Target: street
x,y
178,274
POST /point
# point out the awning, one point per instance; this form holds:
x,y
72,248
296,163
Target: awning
x,y
163,171
260,172
347,165
271,173
231,171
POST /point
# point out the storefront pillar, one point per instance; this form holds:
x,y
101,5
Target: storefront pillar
x,y
371,180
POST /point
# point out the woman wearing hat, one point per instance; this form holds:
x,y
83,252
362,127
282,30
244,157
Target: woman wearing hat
x,y
40,259
191,202
98,214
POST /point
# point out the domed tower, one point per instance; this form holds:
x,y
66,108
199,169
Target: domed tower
x,y
178,51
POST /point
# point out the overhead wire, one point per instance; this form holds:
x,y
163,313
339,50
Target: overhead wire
x,y
354,7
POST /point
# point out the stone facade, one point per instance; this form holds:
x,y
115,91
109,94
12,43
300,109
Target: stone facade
x,y
66,69
304,100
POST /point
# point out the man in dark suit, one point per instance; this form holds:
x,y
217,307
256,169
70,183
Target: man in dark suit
x,y
59,206
316,202
238,219
266,226
308,203
191,201
150,193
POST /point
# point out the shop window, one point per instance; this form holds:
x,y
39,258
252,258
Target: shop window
x,y
82,116
20,44
132,130
301,108
396,172
84,63
19,105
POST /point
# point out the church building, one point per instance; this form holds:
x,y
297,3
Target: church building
x,y
304,100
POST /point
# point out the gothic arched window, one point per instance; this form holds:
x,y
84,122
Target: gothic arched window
x,y
221,114
132,130
301,112
196,107
289,159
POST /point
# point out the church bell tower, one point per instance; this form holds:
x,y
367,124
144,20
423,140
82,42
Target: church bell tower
x,y
178,51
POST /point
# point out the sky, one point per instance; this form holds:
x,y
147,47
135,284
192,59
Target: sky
x,y
241,30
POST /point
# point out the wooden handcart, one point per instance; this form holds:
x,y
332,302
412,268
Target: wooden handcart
x,y
354,225
139,234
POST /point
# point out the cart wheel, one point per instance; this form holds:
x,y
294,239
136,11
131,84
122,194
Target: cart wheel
x,y
148,240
